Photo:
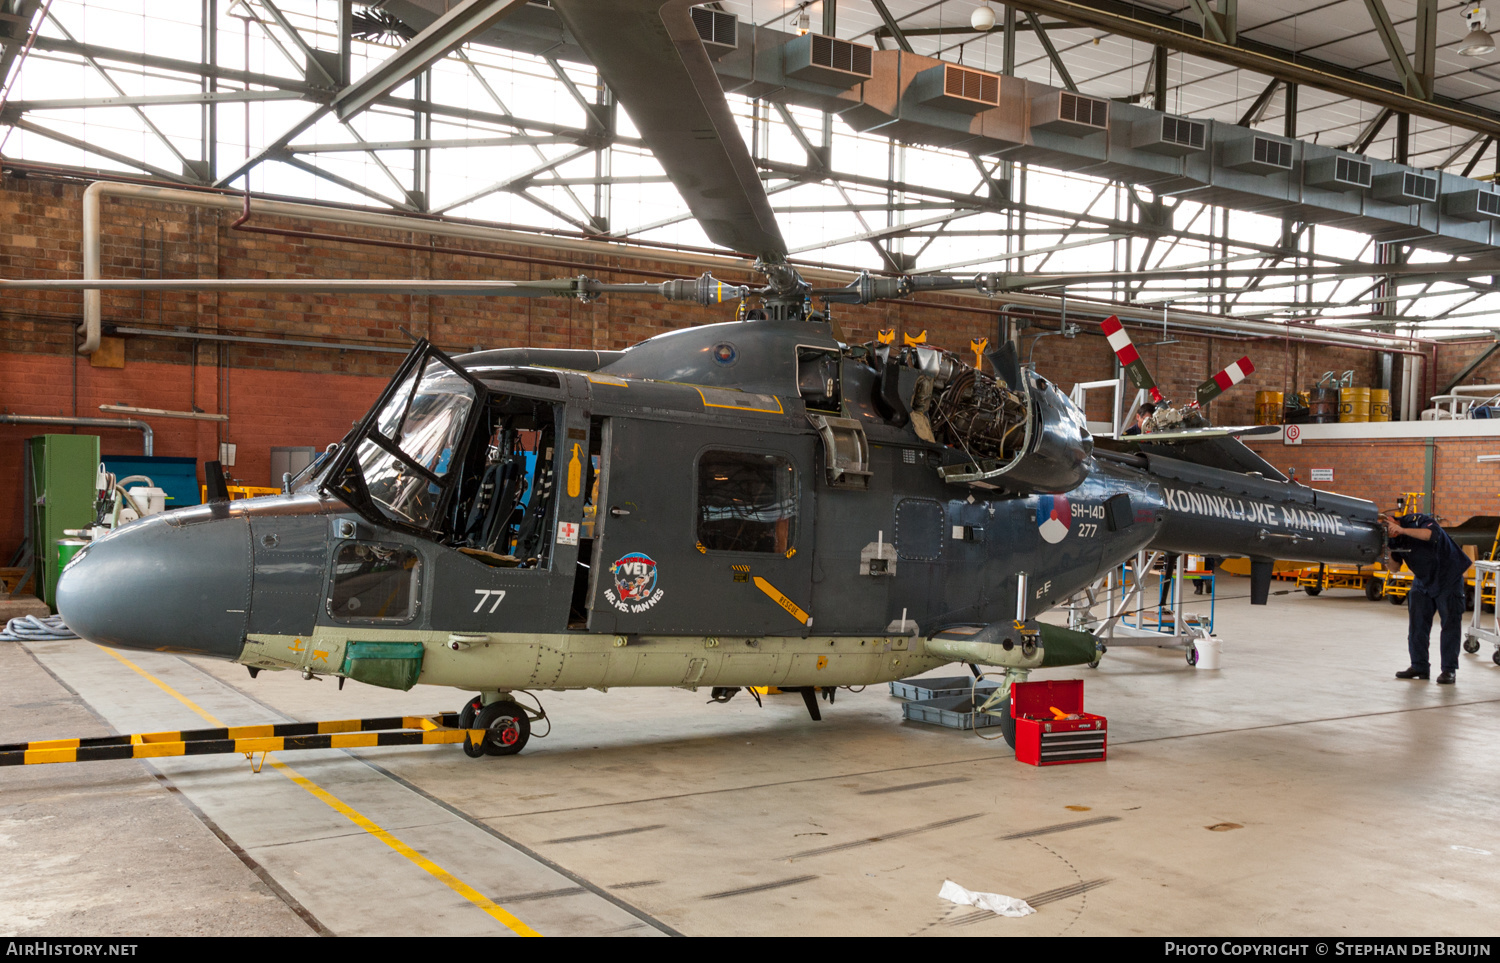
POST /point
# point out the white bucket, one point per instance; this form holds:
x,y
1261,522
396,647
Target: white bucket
x,y
1209,651
150,500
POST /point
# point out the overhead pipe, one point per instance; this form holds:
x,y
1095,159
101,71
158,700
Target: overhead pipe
x,y
148,437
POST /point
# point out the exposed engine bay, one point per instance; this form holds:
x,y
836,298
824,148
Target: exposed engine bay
x,y
1020,434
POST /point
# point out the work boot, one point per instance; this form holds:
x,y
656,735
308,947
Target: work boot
x,y
1414,673
1446,678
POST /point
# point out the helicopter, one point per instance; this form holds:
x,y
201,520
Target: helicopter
x,y
742,504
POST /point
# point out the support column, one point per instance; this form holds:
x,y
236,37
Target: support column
x,y
1159,78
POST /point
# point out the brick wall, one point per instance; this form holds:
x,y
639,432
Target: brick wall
x,y
266,388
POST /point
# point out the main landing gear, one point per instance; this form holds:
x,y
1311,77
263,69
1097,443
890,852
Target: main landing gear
x,y
507,725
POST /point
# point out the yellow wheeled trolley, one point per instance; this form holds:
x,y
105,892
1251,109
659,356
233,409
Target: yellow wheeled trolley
x,y
1360,578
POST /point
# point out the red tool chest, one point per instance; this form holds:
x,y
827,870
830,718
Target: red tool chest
x,y
1044,740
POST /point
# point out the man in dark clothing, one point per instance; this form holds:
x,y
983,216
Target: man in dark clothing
x,y
1438,565
1142,413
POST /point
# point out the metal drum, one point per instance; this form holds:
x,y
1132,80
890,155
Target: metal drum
x,y
1268,407
1354,404
66,549
1324,405
1380,404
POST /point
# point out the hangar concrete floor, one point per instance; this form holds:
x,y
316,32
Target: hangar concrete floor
x,y
1300,789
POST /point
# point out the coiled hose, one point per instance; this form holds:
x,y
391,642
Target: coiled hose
x,y
29,628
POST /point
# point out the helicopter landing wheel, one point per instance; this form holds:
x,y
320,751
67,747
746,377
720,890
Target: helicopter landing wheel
x,y
508,728
1471,646
1008,724
466,717
1497,657
1192,655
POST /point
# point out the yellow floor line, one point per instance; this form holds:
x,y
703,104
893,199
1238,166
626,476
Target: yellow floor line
x,y
500,913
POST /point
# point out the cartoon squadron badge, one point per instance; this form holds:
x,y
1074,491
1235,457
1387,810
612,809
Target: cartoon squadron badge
x,y
635,583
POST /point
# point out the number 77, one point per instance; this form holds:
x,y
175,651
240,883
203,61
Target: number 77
x,y
484,596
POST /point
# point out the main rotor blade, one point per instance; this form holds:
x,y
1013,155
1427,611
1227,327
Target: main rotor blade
x,y
705,290
650,55
1003,281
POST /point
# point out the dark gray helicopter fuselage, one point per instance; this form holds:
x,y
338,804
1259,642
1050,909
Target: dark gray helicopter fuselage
x,y
682,527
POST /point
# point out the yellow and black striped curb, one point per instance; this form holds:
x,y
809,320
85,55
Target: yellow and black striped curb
x,y
439,729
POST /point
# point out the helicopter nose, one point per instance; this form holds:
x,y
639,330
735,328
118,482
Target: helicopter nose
x,y
163,584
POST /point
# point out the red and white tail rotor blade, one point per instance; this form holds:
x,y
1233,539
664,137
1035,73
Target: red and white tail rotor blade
x,y
1130,359
1224,380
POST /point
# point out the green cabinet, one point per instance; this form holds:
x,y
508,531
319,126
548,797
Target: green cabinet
x,y
64,469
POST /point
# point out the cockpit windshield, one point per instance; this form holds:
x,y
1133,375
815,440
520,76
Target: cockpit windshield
x,y
445,456
425,420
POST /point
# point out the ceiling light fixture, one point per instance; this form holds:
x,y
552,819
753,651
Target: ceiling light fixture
x,y
1478,43
804,22
983,17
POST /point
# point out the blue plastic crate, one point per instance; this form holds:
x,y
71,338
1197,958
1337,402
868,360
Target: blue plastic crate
x,y
953,712
937,687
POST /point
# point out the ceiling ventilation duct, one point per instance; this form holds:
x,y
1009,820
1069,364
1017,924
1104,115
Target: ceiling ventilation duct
x,y
1338,173
956,88
1166,134
1064,112
1406,187
1258,155
827,60
718,30
1475,204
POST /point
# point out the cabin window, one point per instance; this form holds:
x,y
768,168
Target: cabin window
x,y
374,581
747,502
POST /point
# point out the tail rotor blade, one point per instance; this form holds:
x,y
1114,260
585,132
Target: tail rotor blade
x,y
1130,359
1224,380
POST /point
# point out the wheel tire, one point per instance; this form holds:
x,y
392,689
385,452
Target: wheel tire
x,y
1313,590
466,717
1373,589
1007,724
1471,646
508,728
1497,657
1397,599
1192,655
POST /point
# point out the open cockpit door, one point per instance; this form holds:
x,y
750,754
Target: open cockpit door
x,y
400,466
